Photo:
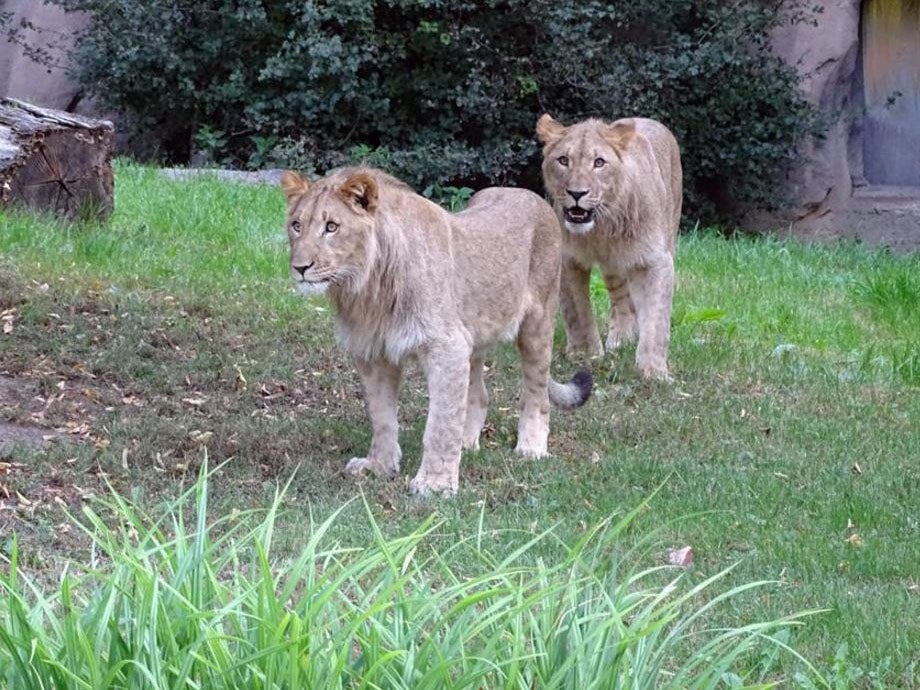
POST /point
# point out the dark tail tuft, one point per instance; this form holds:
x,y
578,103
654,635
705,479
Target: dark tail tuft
x,y
585,383
573,394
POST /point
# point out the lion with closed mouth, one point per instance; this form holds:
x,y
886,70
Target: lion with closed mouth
x,y
617,189
409,280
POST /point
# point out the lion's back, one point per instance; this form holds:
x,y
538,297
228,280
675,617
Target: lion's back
x,y
663,164
507,250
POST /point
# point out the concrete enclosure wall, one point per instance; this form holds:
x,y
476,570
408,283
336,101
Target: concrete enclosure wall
x,y
891,80
23,78
862,179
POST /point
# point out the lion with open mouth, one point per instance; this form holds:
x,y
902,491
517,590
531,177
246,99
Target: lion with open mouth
x,y
617,189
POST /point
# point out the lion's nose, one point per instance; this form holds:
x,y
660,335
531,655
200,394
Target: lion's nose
x,y
576,193
303,269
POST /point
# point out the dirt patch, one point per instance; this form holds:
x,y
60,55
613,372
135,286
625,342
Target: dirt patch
x,y
13,392
16,394
18,434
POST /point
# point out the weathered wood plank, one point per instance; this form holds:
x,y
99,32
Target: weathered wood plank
x,y
55,161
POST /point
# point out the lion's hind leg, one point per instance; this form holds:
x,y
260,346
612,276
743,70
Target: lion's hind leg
x,y
535,343
477,404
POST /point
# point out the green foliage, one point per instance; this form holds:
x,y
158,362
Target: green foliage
x,y
186,288
448,91
451,198
892,292
208,603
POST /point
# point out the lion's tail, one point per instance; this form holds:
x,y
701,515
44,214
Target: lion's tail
x,y
573,394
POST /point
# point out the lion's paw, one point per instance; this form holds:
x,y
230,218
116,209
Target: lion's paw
x,y
655,373
532,450
471,443
361,466
426,485
617,340
592,351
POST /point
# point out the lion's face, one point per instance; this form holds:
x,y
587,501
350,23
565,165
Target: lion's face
x,y
330,228
583,167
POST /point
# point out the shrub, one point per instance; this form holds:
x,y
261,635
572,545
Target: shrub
x,y
211,605
448,91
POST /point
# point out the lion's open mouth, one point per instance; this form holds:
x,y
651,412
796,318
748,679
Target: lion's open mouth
x,y
578,215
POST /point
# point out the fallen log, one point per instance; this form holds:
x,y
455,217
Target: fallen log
x,y
55,161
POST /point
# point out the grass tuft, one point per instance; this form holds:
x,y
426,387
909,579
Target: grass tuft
x,y
892,292
207,602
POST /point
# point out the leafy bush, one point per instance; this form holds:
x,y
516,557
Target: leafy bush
x,y
448,91
210,605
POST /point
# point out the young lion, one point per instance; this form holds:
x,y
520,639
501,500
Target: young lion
x,y
408,279
618,191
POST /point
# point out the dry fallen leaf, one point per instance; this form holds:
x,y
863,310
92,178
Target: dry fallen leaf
x,y
682,557
201,437
855,540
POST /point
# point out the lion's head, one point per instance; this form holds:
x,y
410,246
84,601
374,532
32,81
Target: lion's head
x,y
330,226
583,168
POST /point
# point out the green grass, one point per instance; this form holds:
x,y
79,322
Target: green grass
x,y
791,435
212,605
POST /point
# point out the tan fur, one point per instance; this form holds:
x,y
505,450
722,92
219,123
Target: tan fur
x,y
409,280
632,202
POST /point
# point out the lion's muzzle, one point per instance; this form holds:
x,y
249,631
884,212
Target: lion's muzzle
x,y
578,220
577,214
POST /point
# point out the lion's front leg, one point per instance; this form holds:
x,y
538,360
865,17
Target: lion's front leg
x,y
580,330
651,288
622,325
447,367
381,389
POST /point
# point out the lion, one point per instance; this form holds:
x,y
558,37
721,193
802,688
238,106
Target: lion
x,y
618,190
409,280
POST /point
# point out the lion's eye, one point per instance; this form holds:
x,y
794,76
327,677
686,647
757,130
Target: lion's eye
x,y
599,162
563,161
295,227
331,226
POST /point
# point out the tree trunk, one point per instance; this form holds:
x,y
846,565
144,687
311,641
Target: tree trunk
x,y
55,161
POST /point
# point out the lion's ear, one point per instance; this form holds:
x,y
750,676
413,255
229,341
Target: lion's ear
x,y
620,134
360,190
293,185
548,129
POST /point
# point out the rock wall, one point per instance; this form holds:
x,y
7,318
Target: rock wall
x,y
829,193
23,78
827,58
